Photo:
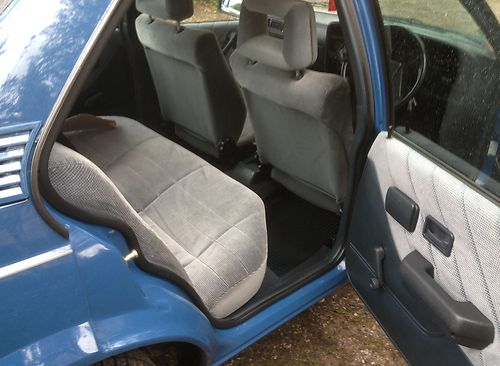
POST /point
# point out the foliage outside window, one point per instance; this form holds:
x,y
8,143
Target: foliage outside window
x,y
447,16
208,11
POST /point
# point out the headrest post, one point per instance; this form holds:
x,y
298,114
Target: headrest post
x,y
299,74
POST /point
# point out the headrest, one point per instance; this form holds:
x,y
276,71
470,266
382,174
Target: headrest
x,y
177,10
278,33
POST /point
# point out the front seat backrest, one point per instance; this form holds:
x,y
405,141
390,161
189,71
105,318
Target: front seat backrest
x,y
195,87
301,118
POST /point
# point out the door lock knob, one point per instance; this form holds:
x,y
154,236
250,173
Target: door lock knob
x,y
378,281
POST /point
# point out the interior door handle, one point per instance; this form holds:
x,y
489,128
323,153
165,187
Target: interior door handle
x,y
461,320
438,235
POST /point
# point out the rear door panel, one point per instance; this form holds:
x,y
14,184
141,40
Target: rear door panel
x,y
470,273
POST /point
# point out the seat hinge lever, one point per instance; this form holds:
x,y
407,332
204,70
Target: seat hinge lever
x,y
378,281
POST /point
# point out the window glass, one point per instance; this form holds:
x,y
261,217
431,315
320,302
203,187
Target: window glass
x,y
208,11
3,5
445,75
495,7
319,5
233,6
446,16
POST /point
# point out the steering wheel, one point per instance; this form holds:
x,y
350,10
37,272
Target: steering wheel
x,y
408,63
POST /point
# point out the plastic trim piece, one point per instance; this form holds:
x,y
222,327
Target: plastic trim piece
x,y
35,261
16,143
461,320
438,235
402,208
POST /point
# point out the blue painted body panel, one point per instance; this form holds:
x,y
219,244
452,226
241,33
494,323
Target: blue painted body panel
x,y
90,304
40,42
368,27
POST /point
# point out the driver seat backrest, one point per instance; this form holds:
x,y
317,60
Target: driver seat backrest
x,y
301,118
470,116
196,89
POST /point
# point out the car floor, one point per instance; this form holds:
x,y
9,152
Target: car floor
x,y
296,231
300,239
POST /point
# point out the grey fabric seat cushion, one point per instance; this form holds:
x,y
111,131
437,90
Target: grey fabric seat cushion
x,y
213,226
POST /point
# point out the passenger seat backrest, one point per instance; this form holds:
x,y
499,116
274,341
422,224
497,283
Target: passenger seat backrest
x,y
301,118
196,89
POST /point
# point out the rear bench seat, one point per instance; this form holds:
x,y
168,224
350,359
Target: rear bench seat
x,y
184,215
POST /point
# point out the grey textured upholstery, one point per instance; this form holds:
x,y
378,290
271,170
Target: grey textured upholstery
x,y
470,273
297,49
196,89
69,172
302,126
177,10
187,215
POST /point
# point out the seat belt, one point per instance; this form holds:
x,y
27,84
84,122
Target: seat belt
x,y
87,121
82,122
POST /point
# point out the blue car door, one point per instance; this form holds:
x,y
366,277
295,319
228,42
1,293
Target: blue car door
x,y
424,241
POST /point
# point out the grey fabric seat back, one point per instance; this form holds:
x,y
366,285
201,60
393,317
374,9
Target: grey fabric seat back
x,y
195,87
301,118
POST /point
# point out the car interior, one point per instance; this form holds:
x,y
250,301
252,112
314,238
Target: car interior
x,y
191,158
221,150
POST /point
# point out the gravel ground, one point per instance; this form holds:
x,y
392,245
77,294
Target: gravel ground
x,y
337,331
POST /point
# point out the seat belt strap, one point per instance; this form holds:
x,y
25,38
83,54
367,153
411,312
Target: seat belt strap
x,y
87,121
